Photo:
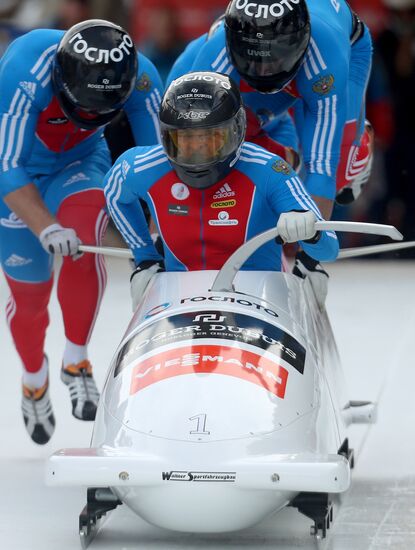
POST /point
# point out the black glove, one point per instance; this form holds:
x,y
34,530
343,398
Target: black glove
x,y
308,267
141,277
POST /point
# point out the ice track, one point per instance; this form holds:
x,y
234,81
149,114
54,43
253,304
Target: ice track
x,y
372,308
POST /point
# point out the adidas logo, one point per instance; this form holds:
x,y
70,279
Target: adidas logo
x,y
12,222
29,88
224,192
17,261
80,176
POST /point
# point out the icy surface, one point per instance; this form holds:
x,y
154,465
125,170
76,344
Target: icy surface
x,y
372,308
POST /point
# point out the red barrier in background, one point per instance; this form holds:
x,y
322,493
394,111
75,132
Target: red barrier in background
x,y
373,12
191,18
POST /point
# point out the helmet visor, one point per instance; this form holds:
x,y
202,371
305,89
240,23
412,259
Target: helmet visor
x,y
89,119
199,147
272,62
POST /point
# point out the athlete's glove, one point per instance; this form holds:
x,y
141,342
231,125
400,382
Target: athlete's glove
x,y
298,226
56,239
308,267
141,277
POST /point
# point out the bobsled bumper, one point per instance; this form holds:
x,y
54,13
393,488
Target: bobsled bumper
x,y
304,472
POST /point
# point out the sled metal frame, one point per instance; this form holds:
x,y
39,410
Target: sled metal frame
x,y
100,501
319,506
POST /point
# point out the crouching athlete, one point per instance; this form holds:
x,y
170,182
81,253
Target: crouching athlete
x,y
208,190
58,92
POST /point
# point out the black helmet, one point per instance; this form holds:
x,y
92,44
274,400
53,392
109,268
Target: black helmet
x,y
94,72
202,123
267,41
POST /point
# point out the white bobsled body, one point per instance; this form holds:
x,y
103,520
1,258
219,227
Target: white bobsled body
x,y
219,407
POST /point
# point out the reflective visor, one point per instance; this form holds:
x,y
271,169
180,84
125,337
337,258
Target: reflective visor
x,y
198,147
271,62
87,119
85,115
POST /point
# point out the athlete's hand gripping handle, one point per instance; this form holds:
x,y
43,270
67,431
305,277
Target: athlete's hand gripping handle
x,y
141,277
297,226
56,239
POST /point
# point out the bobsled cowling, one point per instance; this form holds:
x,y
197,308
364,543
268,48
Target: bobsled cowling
x,y
219,407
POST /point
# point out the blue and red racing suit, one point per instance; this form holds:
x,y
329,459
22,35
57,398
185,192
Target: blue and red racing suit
x,y
327,94
201,228
39,145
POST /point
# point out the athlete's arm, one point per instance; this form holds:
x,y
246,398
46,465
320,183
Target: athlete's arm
x,y
22,92
28,205
123,189
143,105
322,83
282,130
286,193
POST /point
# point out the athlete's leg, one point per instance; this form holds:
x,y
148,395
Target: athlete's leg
x,y
27,269
78,200
75,196
357,143
82,282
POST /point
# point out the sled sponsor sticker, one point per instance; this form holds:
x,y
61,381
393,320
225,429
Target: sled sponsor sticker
x,y
210,359
224,325
216,325
230,300
199,477
156,310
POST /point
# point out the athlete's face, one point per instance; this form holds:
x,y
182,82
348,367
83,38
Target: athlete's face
x,y
199,145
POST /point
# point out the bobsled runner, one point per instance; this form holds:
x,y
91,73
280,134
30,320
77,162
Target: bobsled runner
x,y
224,403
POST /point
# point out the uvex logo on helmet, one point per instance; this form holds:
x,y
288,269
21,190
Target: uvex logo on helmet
x,y
258,53
263,10
98,55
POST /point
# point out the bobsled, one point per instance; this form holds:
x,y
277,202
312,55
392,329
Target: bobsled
x,y
224,402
